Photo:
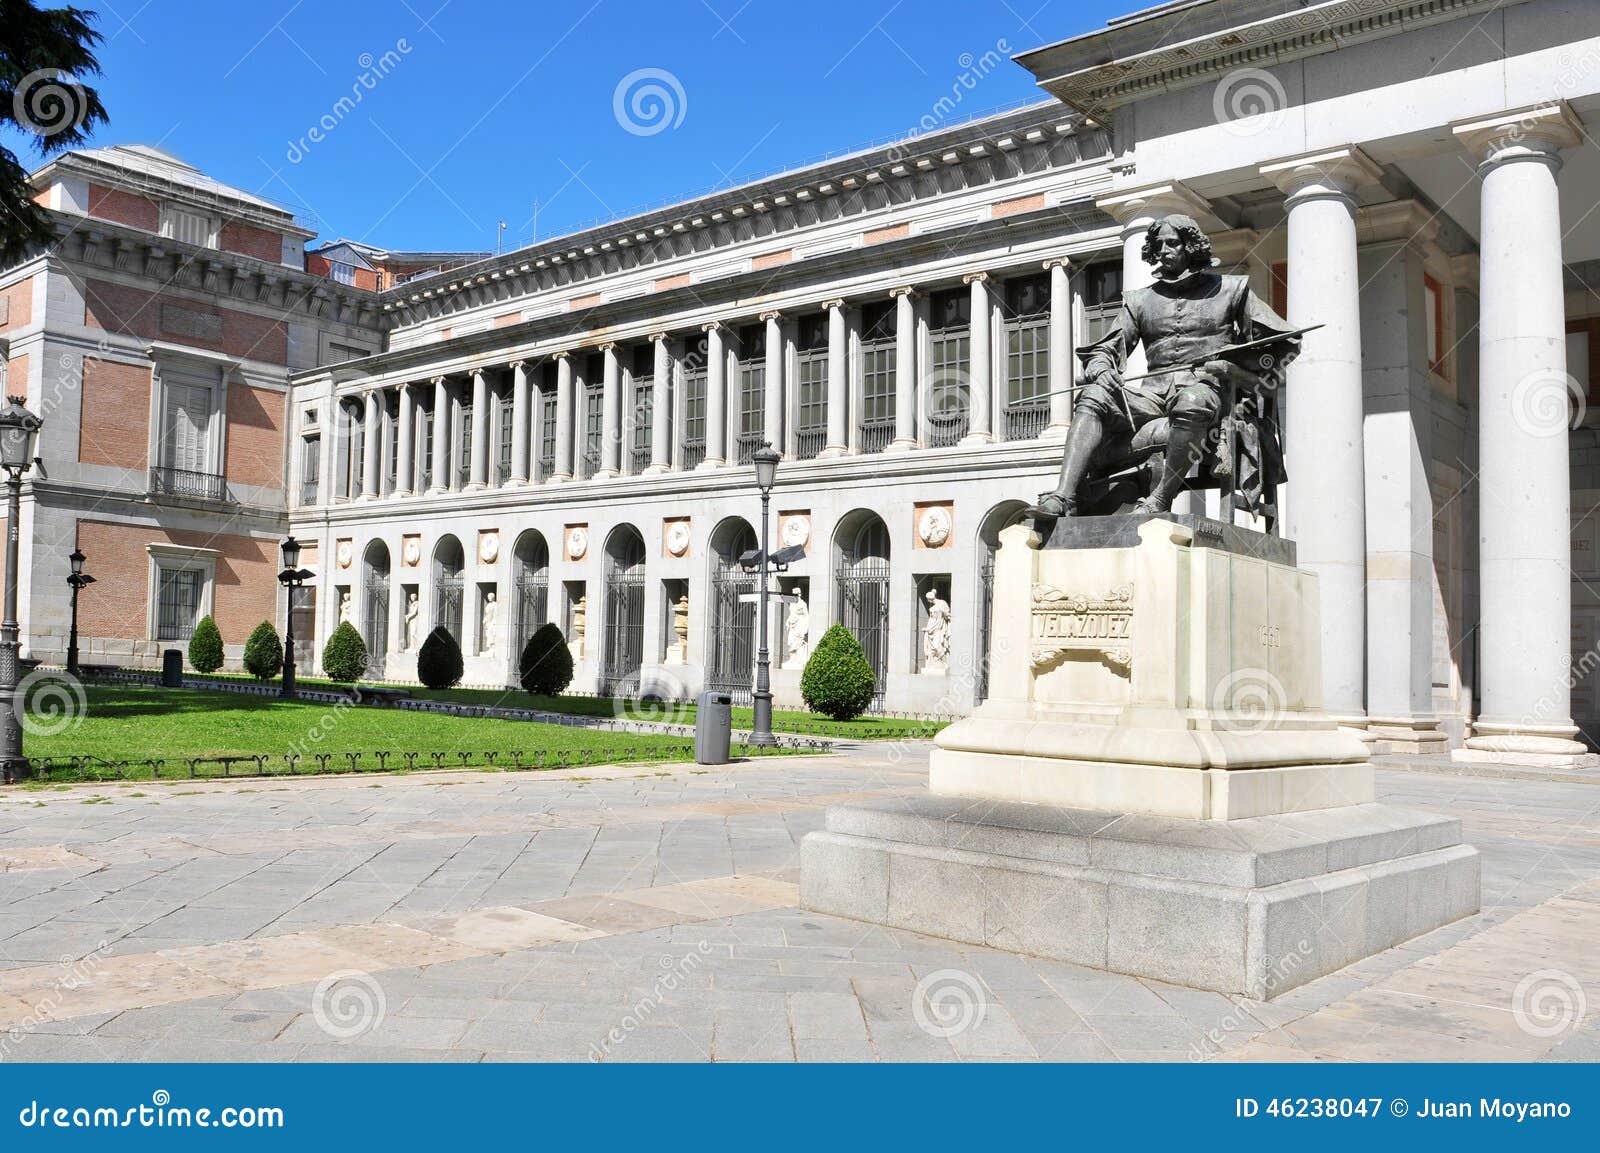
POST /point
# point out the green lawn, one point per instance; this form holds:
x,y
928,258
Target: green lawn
x,y
806,724
139,724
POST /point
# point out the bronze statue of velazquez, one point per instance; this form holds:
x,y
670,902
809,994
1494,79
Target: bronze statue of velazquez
x,y
1204,401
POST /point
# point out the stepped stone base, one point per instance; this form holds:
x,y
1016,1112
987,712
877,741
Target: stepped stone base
x,y
1253,906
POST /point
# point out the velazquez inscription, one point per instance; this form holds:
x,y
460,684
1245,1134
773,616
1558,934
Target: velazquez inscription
x,y
1066,623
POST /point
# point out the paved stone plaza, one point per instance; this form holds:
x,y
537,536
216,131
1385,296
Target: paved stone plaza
x,y
650,915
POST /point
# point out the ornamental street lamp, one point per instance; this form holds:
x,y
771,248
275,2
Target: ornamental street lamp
x,y
291,578
78,580
19,433
766,460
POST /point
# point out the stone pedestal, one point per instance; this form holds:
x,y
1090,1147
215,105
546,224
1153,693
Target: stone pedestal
x,y
1152,785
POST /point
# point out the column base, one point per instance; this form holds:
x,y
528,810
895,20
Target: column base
x,y
656,470
975,438
1409,734
475,485
515,481
710,464
559,478
606,474
1532,746
1356,726
903,444
834,451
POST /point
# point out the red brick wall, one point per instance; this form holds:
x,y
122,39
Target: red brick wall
x,y
157,316
255,435
248,240
17,375
118,607
1020,204
114,415
892,232
124,208
16,305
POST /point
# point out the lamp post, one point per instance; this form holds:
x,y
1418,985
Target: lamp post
x,y
78,580
291,578
766,460
19,432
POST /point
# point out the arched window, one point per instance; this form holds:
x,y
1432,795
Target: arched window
x,y
623,652
375,610
531,571
861,583
448,565
730,645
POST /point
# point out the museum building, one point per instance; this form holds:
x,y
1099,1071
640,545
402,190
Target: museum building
x,y
563,432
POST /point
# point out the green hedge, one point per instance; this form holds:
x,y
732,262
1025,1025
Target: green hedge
x,y
205,647
439,664
263,652
838,680
545,668
344,657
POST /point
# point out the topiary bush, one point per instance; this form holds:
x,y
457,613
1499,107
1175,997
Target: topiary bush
x,y
344,657
439,663
263,652
838,680
546,665
205,647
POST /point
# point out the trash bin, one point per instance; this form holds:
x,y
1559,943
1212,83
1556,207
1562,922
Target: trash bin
x,y
713,728
172,668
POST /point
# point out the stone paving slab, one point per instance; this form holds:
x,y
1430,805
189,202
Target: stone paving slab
x,y
650,914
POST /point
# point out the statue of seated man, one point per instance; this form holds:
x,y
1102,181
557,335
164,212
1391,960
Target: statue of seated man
x,y
1187,322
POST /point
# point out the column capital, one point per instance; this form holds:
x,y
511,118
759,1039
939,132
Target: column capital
x,y
516,364
773,314
711,326
975,278
903,290
1537,132
1129,205
436,381
660,336
1057,262
838,302
1330,172
478,373
607,346
563,353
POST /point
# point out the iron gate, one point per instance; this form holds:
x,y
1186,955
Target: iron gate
x,y
623,653
447,605
863,608
533,604
730,651
377,621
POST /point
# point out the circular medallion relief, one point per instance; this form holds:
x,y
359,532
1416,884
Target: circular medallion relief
x,y
411,551
678,537
344,553
796,531
577,542
934,526
489,547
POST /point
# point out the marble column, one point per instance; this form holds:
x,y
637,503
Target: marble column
x,y
562,471
716,398
610,412
838,381
1061,353
370,419
905,371
660,405
405,443
773,393
1325,513
1524,486
478,460
980,362
439,444
520,424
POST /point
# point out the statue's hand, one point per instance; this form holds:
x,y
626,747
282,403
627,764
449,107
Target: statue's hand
x,y
1226,372
1106,376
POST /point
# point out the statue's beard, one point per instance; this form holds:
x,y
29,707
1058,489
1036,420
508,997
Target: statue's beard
x,y
1183,274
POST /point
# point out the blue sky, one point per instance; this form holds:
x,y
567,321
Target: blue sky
x,y
472,111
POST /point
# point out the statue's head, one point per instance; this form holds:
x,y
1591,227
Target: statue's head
x,y
1176,246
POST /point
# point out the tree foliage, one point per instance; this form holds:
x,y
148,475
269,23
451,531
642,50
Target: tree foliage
x,y
205,647
43,51
439,664
344,657
838,680
263,652
546,665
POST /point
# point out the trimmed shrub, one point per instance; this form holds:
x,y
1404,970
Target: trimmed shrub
x,y
263,652
205,647
344,657
546,665
439,664
838,681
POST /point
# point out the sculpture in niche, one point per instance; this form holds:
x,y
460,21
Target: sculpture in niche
x,y
580,613
796,630
345,607
413,612
1216,356
936,634
489,616
676,654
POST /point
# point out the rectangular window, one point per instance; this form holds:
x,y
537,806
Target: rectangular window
x,y
1433,300
752,390
424,452
502,424
811,387
643,403
310,468
694,415
1583,356
950,367
1102,299
177,602
353,442
1025,308
341,273
877,376
186,428
594,428
463,447
188,227
547,435
391,445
